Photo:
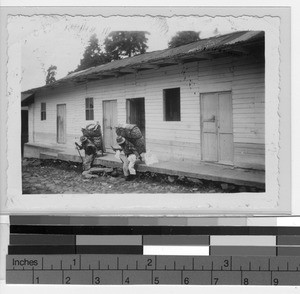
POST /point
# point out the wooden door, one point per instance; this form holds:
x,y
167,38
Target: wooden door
x,y
209,107
61,123
216,127
135,109
225,128
110,120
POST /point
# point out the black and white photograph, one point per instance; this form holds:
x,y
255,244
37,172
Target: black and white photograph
x,y
148,102
146,111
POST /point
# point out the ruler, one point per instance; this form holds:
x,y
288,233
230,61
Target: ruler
x,y
123,269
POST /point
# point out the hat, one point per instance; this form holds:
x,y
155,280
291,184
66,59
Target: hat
x,y
120,140
83,138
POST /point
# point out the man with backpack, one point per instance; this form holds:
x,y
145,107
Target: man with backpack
x,y
131,156
90,152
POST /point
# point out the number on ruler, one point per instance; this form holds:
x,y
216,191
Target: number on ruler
x,y
186,280
149,262
275,281
68,280
156,280
74,261
226,263
97,280
37,280
216,281
245,281
127,280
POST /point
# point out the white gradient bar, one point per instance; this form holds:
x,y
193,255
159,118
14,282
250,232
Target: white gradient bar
x,y
4,219
288,221
176,250
262,221
243,240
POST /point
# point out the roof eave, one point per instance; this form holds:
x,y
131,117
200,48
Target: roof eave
x,y
153,63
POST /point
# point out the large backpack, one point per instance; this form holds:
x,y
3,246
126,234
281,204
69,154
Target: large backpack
x,y
129,131
133,134
93,133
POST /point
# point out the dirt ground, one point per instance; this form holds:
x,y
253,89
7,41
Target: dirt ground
x,y
60,177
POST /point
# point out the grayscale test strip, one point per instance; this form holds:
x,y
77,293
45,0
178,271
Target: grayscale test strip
x,y
121,255
89,269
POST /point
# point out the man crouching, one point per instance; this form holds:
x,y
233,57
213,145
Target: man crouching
x,y
131,156
90,152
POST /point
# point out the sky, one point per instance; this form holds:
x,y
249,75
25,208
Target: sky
x,y
60,40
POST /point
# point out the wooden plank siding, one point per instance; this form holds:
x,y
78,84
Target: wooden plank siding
x,y
248,92
180,140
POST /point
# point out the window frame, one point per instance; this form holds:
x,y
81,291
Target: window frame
x,y
166,115
43,111
89,111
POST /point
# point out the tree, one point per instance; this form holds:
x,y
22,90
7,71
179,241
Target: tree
x,y
92,56
51,73
183,38
121,44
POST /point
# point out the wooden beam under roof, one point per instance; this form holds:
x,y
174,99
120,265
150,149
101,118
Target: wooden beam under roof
x,y
107,74
146,66
165,62
92,77
128,70
114,73
199,56
239,49
80,82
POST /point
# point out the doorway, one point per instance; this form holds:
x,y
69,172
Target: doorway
x,y
135,110
217,127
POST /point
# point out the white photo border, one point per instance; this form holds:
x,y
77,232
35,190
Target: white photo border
x,y
275,201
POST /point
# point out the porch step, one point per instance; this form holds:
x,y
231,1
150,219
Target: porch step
x,y
198,170
48,155
69,157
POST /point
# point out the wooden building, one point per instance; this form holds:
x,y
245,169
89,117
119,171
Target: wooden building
x,y
203,101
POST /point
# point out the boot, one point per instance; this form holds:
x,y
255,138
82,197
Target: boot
x,y
114,173
130,178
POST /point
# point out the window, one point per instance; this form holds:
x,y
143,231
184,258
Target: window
x,y
89,108
43,111
172,104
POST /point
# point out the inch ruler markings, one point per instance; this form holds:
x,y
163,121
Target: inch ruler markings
x,y
142,269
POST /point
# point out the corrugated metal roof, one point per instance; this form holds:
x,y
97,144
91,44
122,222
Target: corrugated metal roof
x,y
204,46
